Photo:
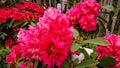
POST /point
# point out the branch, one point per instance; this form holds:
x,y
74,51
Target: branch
x,y
115,16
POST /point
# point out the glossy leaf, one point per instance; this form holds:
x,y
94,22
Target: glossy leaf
x,y
75,47
87,63
97,41
107,61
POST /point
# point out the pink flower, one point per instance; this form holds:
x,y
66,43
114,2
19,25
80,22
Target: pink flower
x,y
24,65
113,49
88,23
49,41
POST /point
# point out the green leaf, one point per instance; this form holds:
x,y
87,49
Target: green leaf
x,y
17,23
36,64
108,7
87,63
28,65
24,24
65,65
10,24
75,62
107,61
19,64
3,35
32,23
75,33
97,41
74,47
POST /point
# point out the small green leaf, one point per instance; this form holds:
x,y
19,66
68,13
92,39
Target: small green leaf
x,y
28,65
74,47
24,24
65,65
10,24
19,64
108,7
87,63
107,61
75,33
32,23
97,41
36,64
17,23
3,35
75,62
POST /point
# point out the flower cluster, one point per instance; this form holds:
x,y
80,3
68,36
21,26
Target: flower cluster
x,y
22,12
49,41
113,49
84,14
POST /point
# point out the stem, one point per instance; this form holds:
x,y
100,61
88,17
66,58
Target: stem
x,y
36,64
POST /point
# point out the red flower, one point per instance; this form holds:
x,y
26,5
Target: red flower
x,y
81,11
88,23
20,7
3,15
14,55
49,41
9,42
14,29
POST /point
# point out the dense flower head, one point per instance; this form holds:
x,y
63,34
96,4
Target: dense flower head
x,y
83,9
88,23
49,41
113,49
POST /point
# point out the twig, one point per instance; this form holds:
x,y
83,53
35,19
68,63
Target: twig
x,y
115,16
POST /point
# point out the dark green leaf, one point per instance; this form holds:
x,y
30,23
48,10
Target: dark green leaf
x,y
17,23
65,65
107,61
24,24
75,62
87,63
97,41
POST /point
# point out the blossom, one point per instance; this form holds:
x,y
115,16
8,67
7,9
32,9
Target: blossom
x,y
24,65
81,11
88,23
3,15
21,12
113,49
15,54
49,41
9,42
